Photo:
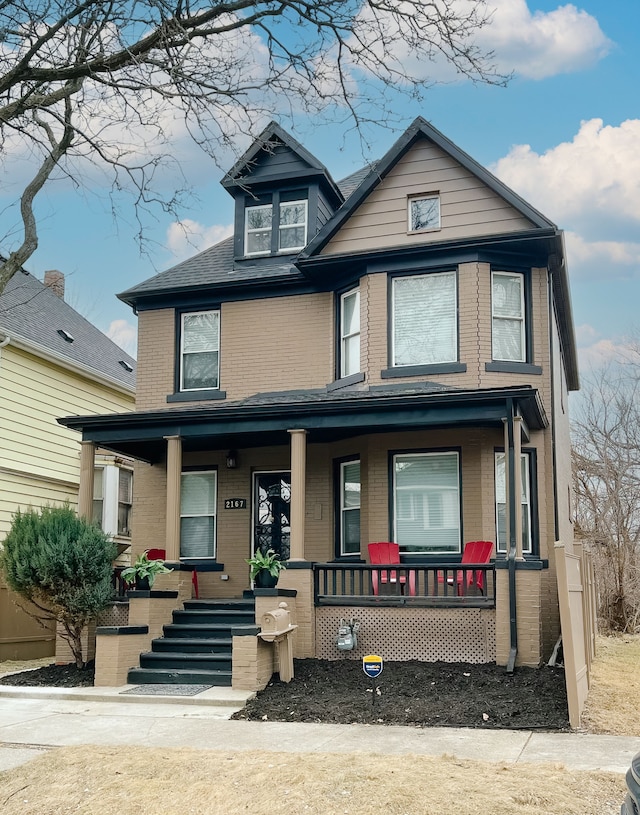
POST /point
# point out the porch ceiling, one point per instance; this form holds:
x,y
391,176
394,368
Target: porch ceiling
x,y
264,420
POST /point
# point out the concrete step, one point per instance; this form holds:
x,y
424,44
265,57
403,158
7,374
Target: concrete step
x,y
198,645
160,676
233,604
186,661
191,616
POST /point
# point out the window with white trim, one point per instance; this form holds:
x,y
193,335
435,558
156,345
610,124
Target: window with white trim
x,y
350,333
292,226
350,507
425,323
508,317
113,499
257,229
424,213
501,503
426,501
198,493
200,351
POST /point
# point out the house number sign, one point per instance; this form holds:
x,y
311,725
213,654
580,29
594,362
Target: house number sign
x,y
235,503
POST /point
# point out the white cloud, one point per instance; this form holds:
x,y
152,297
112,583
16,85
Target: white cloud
x,y
186,237
125,335
590,183
542,44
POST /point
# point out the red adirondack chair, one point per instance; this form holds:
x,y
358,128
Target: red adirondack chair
x,y
385,554
474,552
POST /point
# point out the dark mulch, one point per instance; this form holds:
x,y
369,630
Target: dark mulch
x,y
53,676
418,694
410,693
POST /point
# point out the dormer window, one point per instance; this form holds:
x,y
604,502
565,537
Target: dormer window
x,y
258,220
279,227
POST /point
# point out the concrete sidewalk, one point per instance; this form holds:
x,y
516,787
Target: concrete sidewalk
x,y
37,719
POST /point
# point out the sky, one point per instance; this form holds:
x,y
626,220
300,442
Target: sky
x,y
564,134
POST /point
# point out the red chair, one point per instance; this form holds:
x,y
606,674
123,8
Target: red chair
x,y
386,554
160,554
474,552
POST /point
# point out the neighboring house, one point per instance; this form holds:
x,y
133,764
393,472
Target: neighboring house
x,y
53,361
362,362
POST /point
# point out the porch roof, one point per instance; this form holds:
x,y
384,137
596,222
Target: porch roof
x,y
328,415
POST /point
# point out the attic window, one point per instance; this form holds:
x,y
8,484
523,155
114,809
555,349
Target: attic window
x,y
125,365
424,212
65,335
258,230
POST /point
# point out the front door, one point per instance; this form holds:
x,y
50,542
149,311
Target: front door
x,y
272,512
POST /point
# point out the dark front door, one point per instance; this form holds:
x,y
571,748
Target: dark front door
x,y
272,513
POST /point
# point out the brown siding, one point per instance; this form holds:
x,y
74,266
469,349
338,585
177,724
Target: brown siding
x,y
467,206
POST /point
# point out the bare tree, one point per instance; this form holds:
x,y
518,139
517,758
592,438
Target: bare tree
x,y
606,462
114,81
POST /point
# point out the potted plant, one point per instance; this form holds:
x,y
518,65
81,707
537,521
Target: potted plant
x,y
265,568
144,572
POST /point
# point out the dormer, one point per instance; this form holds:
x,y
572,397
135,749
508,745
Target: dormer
x,y
283,196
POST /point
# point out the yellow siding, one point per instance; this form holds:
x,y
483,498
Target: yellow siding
x,y
468,207
39,459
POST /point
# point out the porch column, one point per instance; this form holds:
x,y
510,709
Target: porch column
x,y
174,470
87,468
298,488
517,483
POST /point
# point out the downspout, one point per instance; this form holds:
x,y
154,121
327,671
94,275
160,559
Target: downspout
x,y
511,556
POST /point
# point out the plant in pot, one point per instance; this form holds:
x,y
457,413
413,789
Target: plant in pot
x,y
265,568
143,573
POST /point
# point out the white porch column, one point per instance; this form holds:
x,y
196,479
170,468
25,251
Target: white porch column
x,y
298,488
87,469
174,471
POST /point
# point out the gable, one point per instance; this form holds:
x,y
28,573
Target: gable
x,y
276,161
468,206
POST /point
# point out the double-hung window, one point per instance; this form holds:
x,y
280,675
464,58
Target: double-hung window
x,y
426,500
350,508
350,333
502,533
508,317
257,234
200,351
125,501
198,514
280,226
425,327
113,499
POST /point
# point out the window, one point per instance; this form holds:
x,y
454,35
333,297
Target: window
x,y
98,499
350,508
350,333
426,500
292,226
501,503
257,238
113,499
425,319
508,323
125,501
424,213
200,354
198,514
277,227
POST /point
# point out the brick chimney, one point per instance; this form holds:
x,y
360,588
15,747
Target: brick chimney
x,y
55,281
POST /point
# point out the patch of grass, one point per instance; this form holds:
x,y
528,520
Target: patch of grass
x,y
615,688
104,780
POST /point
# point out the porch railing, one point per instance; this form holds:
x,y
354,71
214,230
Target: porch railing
x,y
438,585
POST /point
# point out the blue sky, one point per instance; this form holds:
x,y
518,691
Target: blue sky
x,y
565,134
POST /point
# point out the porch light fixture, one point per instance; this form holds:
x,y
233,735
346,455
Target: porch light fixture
x,y
232,460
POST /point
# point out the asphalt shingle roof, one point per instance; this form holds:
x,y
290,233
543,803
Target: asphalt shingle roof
x,y
30,310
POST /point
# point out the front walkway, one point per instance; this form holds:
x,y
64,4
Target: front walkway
x,y
36,719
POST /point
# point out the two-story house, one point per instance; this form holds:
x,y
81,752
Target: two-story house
x,y
53,361
382,359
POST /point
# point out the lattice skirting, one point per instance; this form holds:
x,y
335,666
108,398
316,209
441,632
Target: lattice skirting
x,y
115,614
399,634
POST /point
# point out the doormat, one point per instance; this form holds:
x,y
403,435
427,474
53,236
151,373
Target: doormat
x,y
167,690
